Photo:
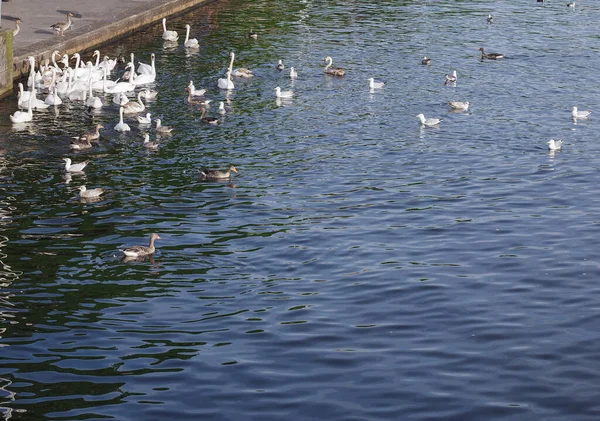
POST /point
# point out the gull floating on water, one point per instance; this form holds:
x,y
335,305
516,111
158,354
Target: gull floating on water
x,y
74,167
554,145
283,94
457,105
84,193
579,114
428,121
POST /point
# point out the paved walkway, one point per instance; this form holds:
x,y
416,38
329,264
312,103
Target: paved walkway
x,y
94,22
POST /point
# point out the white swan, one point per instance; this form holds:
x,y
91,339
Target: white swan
x,y
332,70
240,71
23,96
222,108
150,94
134,106
428,121
17,27
121,127
24,116
226,83
117,87
143,79
190,42
70,167
144,68
120,98
375,85
168,35
53,98
144,120
93,101
283,94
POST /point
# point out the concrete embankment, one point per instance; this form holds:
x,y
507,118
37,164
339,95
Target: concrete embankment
x,y
95,22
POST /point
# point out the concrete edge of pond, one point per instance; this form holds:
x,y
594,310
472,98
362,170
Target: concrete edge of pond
x,y
88,37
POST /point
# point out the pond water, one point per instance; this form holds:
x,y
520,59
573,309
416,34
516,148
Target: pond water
x,y
359,266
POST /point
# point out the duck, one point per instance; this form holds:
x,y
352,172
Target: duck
x,y
283,94
168,35
61,27
451,77
375,85
162,129
226,83
120,126
554,145
428,121
457,105
141,251
280,65
490,56
148,144
133,107
575,113
490,19
572,4
293,73
70,167
144,120
212,174
17,27
190,42
207,120
84,193
426,61
252,34
332,70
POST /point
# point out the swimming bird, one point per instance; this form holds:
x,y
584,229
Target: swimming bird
x,y
222,108
293,73
252,34
280,65
212,174
451,77
554,145
24,116
147,69
572,4
144,120
17,27
196,99
84,141
141,251
134,106
84,193
428,121
425,60
148,144
61,27
162,129
120,126
93,101
490,19
375,85
70,167
193,91
457,105
490,56
579,114
149,94
207,120
333,70
226,82
190,42
283,94
168,35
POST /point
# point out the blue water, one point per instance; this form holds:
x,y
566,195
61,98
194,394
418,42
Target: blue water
x,y
359,266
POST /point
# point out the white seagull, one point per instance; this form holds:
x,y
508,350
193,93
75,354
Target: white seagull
x,y
69,167
554,145
579,114
375,85
428,121
457,105
283,94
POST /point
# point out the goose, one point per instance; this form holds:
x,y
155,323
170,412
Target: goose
x,y
457,105
221,108
84,193
426,61
283,94
168,35
144,120
120,126
212,174
579,114
375,85
134,106
226,83
252,34
61,27
428,121
17,27
490,56
293,73
207,120
280,65
149,145
554,145
141,251
195,92
70,167
334,71
24,116
451,77
190,42
149,69
93,101
162,129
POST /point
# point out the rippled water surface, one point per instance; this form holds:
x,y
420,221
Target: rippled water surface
x,y
358,267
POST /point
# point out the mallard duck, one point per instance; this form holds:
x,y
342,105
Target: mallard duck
x,y
280,65
428,121
554,145
457,105
375,85
283,94
148,144
490,56
425,60
140,251
70,167
207,120
252,34
162,129
212,174
332,70
579,114
84,193
61,27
